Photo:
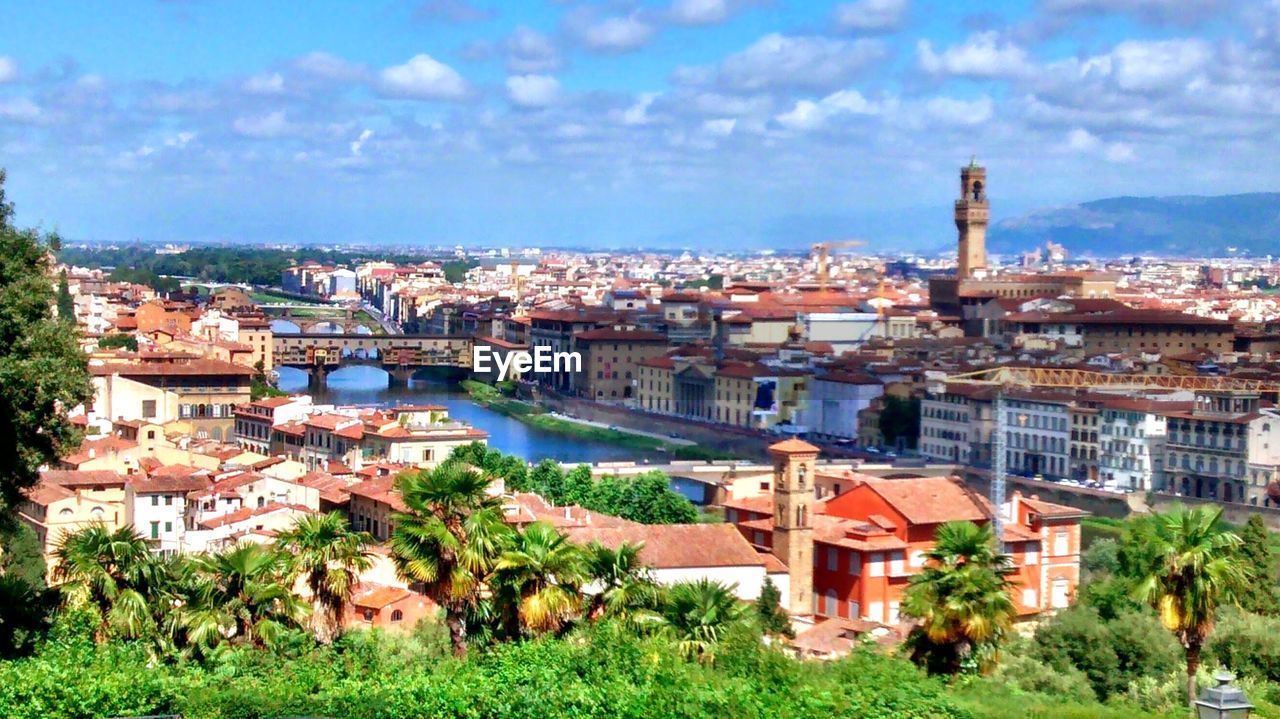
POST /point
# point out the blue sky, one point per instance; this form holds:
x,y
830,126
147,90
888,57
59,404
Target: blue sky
x,y
667,123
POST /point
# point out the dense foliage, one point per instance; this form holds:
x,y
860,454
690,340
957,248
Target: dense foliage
x,y
118,341
646,498
43,372
606,671
232,264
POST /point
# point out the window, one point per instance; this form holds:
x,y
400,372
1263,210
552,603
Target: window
x,y
917,558
1028,597
757,538
368,615
833,559
155,530
895,563
1032,554
855,563
829,609
876,612
168,527
893,613
148,408
1060,543
168,500
1059,596
854,610
397,615
877,564
155,500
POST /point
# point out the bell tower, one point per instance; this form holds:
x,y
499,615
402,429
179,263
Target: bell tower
x,y
972,214
793,494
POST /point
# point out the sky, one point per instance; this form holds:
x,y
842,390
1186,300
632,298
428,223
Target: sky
x,y
717,124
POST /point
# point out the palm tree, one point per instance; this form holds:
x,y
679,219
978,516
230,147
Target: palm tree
x,y
242,594
1188,565
697,615
114,572
962,600
329,556
538,578
623,586
448,539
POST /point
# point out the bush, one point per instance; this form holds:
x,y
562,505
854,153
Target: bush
x,y
1248,644
1027,674
1078,639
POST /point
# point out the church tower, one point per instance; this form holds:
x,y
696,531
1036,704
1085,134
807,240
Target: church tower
x,y
972,213
793,494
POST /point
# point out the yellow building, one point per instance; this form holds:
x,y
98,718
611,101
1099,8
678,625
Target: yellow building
x,y
66,501
196,390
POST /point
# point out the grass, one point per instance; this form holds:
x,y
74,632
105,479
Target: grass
x,y
536,417
989,700
263,297
1094,528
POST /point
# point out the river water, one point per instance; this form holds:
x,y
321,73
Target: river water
x,y
362,385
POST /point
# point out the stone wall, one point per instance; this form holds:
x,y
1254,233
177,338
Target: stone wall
x,y
1100,504
1232,512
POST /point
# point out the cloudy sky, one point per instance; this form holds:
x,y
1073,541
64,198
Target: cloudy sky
x,y
658,123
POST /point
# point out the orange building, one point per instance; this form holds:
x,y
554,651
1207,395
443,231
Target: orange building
x,y
869,539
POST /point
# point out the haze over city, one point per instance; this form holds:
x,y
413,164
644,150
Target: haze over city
x,y
690,123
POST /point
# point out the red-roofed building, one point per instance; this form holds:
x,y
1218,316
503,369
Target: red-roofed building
x,y
611,358
862,544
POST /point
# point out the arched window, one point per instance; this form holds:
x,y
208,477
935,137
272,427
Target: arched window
x,y
397,615
802,474
262,501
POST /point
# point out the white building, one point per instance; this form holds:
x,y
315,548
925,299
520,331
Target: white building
x,y
1131,439
956,424
156,505
1038,433
834,401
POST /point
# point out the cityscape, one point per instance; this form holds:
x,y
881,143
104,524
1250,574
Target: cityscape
x,y
546,362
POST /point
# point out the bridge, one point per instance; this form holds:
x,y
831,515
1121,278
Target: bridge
x,y
400,356
312,319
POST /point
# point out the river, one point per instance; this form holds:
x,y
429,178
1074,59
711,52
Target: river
x,y
361,385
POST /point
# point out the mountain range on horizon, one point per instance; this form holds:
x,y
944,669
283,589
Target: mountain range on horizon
x,y
1173,226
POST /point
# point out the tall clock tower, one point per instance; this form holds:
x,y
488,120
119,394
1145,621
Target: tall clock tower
x,y
972,214
793,495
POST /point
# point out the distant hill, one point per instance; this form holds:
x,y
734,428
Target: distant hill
x,y
1188,225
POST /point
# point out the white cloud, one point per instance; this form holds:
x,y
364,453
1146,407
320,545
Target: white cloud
x,y
872,15
699,12
722,127
777,60
358,144
1155,65
617,34
952,111
1081,141
180,140
423,78
530,51
810,115
8,69
532,90
329,67
982,55
273,124
638,112
19,109
267,84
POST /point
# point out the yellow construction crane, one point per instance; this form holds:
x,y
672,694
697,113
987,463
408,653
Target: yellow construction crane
x,y
1003,378
822,257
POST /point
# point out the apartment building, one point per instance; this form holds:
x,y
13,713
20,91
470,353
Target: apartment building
x,y
1227,448
1132,440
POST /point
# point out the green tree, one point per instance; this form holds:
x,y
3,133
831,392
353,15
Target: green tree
x,y
242,595
26,612
773,620
547,480
900,420
448,539
1188,566
43,372
66,303
962,599
646,498
1258,595
21,555
329,556
119,341
577,485
112,572
538,578
698,614
624,588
